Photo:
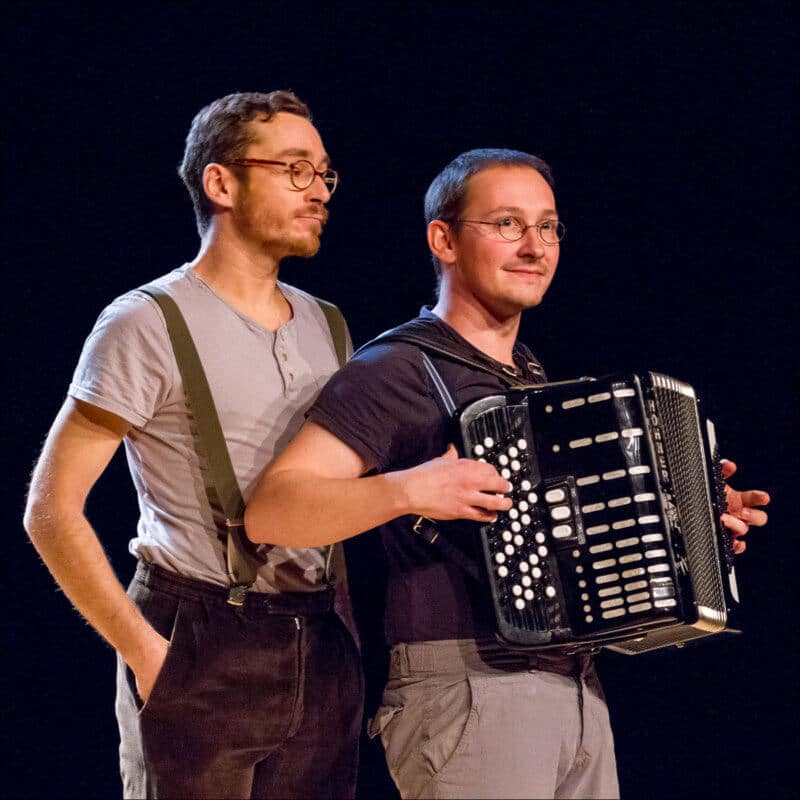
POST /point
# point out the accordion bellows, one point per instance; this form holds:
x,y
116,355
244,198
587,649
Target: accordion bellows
x,y
614,537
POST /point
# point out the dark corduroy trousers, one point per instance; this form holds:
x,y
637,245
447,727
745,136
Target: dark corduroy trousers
x,y
261,702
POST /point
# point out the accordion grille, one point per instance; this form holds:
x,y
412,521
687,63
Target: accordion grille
x,y
677,411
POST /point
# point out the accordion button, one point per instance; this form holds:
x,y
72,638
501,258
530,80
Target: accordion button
x,y
509,548
522,444
513,513
562,531
506,473
528,594
518,540
516,589
534,559
555,496
525,486
506,535
560,512
523,566
540,537
500,558
516,527
541,550
532,498
515,465
536,572
502,459
478,450
523,506
513,452
488,442
519,603
526,580
502,572
525,519
550,591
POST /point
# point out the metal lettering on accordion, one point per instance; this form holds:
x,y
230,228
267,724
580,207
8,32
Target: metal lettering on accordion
x,y
614,536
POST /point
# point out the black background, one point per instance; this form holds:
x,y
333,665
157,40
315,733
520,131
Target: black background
x,y
671,130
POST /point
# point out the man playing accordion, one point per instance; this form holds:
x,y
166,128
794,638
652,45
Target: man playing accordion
x,y
461,716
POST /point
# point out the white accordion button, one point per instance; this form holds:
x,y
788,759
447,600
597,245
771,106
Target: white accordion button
x,y
500,558
523,566
525,485
509,548
550,591
519,604
560,513
562,531
502,459
518,540
526,580
506,536
523,506
528,594
536,572
502,572
516,527
541,550
513,452
506,473
540,537
534,559
515,465
555,496
522,444
532,498
517,589
478,450
525,519
488,442
513,513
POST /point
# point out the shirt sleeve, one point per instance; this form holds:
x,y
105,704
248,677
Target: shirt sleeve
x,y
126,366
380,405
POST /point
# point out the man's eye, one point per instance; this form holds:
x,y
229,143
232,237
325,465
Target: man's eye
x,y
547,225
507,222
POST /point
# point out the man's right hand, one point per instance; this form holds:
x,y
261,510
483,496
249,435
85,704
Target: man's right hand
x,y
148,666
450,487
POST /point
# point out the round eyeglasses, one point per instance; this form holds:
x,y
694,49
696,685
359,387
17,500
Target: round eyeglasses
x,y
301,173
551,231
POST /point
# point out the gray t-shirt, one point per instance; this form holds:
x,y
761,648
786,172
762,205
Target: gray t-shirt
x,y
262,381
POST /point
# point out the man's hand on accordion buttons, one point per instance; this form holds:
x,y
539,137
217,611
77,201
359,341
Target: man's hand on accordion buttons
x,y
450,487
743,508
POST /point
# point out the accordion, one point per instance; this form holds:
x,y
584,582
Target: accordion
x,y
614,538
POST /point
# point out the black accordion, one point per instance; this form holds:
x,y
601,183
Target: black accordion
x,y
614,538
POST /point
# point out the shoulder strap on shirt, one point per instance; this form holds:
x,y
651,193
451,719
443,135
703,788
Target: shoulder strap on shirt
x,y
243,556
413,333
243,560
338,328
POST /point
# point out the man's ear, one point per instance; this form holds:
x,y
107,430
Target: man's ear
x,y
441,241
219,185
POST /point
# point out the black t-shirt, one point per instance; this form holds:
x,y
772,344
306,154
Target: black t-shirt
x,y
383,405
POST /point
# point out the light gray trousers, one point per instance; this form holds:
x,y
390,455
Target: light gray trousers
x,y
455,727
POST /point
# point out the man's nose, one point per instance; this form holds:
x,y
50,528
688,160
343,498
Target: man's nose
x,y
531,243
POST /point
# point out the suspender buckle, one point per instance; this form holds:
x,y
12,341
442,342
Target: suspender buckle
x,y
237,594
426,528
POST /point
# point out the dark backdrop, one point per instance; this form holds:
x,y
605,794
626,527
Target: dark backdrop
x,y
671,129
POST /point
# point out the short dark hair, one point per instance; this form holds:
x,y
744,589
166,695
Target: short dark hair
x,y
447,194
220,133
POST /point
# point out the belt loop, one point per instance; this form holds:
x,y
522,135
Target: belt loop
x,y
399,665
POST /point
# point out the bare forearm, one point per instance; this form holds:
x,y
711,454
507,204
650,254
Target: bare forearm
x,y
70,549
295,508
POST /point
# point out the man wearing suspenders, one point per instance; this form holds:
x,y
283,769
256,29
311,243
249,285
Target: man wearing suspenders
x,y
461,718
236,676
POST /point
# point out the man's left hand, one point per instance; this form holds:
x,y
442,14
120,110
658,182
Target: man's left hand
x,y
743,508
